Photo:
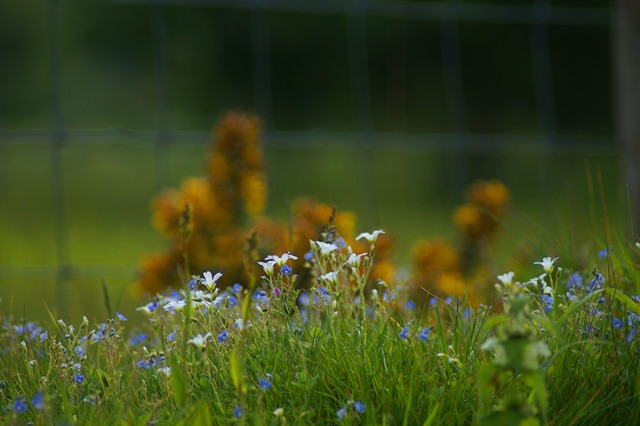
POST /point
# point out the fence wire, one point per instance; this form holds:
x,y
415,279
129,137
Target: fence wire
x,y
449,14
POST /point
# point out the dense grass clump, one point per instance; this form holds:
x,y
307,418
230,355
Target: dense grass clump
x,y
560,348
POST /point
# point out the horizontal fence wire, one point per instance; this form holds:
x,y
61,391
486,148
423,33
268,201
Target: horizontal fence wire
x,y
538,15
447,11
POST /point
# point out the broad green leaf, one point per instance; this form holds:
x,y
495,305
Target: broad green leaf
x,y
535,380
236,372
432,416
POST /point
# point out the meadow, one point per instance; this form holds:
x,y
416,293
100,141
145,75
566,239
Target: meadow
x,y
484,314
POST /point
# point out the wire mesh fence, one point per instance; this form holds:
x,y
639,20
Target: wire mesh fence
x,y
459,141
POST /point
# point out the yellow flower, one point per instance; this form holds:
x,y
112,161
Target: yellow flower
x,y
469,219
254,193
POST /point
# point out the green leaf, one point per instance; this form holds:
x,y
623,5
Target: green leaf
x,y
576,307
432,416
236,372
178,383
535,380
507,418
201,416
624,299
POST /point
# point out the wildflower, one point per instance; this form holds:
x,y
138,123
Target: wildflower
x,y
165,370
135,339
424,334
148,308
223,336
404,333
192,284
330,277
264,384
278,412
596,282
199,340
236,289
308,256
617,323
268,266
410,305
143,364
171,337
325,248
44,336
174,305
285,270
233,302
276,292
506,279
359,407
354,259
281,260
78,350
547,264
575,280
262,301
467,313
547,301
602,254
19,406
210,280
38,401
238,412
631,335
370,237
79,378
342,412
120,316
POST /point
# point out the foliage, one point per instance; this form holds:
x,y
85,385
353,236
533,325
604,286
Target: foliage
x,y
563,349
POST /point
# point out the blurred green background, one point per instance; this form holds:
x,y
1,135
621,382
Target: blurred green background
x,y
385,114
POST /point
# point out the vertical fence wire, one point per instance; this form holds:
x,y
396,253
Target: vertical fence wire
x,y
357,45
163,90
261,65
543,83
60,231
454,92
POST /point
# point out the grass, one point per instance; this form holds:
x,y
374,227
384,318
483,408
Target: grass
x,y
267,354
107,189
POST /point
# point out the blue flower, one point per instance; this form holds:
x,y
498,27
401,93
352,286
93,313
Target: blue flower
x,y
144,364
236,289
602,254
38,401
285,269
79,351
467,313
547,301
596,282
617,323
308,256
223,336
433,301
631,335
264,384
404,333
137,338
238,412
19,406
410,305
232,301
44,336
192,284
342,412
424,334
359,407
120,316
171,336
79,378
575,280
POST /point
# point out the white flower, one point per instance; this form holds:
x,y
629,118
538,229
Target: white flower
x,y
281,260
354,259
267,266
547,264
165,370
209,280
331,277
507,278
325,248
199,340
370,237
278,412
174,305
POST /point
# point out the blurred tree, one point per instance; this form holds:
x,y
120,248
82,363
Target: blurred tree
x,y
627,39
